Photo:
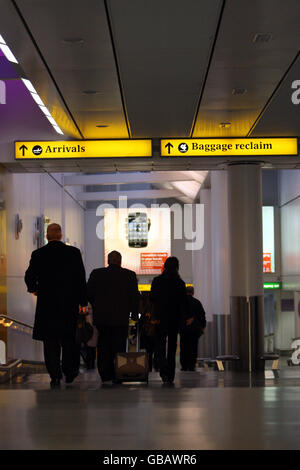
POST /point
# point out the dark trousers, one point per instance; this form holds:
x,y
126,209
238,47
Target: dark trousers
x,y
188,350
111,340
88,354
70,351
148,343
166,345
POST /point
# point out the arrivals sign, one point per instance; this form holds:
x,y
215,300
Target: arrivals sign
x,y
83,149
229,147
43,150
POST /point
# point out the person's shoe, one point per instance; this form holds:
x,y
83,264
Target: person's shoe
x,y
168,383
107,382
166,379
70,378
55,383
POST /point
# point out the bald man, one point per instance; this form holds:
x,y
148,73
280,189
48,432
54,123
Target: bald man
x,y
56,275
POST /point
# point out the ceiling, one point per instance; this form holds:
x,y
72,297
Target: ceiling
x,y
149,69
137,186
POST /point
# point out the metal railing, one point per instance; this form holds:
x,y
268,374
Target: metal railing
x,y
9,322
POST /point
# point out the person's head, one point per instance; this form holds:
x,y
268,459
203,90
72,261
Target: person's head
x,y
171,266
114,257
190,290
54,232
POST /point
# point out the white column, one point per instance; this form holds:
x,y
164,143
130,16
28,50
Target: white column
x,y
297,314
202,279
220,243
245,199
246,264
202,260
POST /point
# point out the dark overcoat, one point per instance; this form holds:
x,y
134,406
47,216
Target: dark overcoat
x,y
169,297
113,293
196,311
56,272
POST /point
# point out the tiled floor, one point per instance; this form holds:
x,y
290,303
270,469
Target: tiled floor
x,y
203,410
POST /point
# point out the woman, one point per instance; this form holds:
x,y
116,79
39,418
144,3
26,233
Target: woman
x,y
168,294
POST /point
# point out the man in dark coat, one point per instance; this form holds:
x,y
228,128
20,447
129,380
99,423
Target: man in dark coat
x,y
191,331
113,293
168,294
56,275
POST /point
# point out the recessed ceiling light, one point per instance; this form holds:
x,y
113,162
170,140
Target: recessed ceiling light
x,y
91,92
239,91
73,41
225,125
262,37
101,125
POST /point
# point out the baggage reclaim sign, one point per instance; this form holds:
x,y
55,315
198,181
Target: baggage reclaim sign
x,y
83,149
229,147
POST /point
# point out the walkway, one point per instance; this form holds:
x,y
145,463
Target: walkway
x,y
203,410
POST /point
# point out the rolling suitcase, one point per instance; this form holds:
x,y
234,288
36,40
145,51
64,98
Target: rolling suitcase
x,y
132,366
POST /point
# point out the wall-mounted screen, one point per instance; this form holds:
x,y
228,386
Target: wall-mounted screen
x,y
141,235
268,240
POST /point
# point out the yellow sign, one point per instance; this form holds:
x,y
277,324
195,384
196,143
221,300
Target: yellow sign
x,y
229,147
147,287
83,149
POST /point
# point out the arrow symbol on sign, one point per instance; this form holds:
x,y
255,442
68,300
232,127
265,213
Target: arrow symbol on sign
x,y
169,145
23,148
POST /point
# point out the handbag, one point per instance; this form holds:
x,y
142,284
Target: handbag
x,y
148,328
84,330
148,322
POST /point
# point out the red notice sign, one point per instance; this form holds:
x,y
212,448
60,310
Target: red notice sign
x,y
267,262
153,260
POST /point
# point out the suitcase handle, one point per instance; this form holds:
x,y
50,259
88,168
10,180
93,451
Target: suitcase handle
x,y
137,338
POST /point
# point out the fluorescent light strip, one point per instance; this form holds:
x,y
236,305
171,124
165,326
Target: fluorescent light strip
x,y
8,54
37,99
58,129
29,85
53,122
45,110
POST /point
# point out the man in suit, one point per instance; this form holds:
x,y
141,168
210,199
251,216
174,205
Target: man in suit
x,y
113,293
56,275
191,332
